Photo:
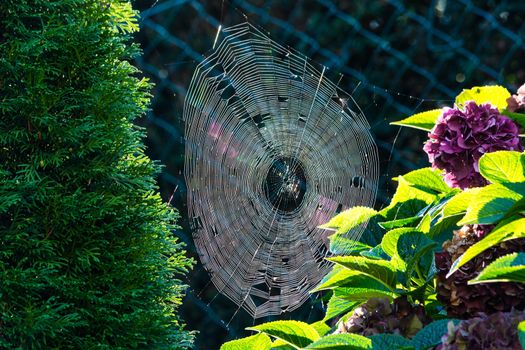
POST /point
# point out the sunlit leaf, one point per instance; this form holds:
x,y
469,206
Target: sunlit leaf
x,y
345,341
458,204
423,121
349,219
379,269
338,306
508,268
490,205
407,201
511,228
255,342
502,166
494,94
295,333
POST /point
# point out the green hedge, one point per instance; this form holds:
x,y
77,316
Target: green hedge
x,y
87,256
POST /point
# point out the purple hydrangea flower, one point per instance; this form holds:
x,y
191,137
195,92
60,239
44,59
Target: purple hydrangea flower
x,y
516,103
461,137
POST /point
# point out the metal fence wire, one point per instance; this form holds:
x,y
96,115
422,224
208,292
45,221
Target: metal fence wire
x,y
397,57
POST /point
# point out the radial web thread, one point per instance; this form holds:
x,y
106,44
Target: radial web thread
x,y
273,150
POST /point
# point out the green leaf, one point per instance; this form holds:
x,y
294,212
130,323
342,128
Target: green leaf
x,y
490,205
346,341
424,224
521,333
407,201
375,253
502,166
373,233
389,225
256,342
349,219
495,95
429,180
295,333
361,288
511,228
389,242
458,204
338,306
279,344
337,278
321,327
415,249
431,334
508,268
442,229
360,283
390,342
341,245
423,121
379,269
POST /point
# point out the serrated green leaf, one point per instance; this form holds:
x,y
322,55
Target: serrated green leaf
x,y
389,225
508,229
373,233
295,333
337,306
379,269
407,201
442,229
431,334
279,344
390,342
502,166
410,243
256,342
422,121
516,209
363,287
321,327
389,242
361,283
458,204
346,341
424,224
334,280
341,245
494,94
375,253
508,268
349,219
490,205
415,249
429,180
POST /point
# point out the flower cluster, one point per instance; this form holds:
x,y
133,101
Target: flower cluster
x,y
461,136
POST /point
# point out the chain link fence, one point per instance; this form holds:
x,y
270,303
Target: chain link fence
x,y
397,57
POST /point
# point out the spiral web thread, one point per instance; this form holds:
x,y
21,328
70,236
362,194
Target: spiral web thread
x,y
273,150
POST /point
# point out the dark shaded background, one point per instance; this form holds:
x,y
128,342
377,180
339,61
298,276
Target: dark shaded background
x,y
400,57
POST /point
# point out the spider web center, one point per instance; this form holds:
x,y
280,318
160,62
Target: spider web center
x,y
285,184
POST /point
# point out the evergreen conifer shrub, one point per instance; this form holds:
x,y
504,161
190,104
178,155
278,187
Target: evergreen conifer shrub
x,y
87,256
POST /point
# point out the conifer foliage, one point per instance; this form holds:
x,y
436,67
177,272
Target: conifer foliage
x,y
87,256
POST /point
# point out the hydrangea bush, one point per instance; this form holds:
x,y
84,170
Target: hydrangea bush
x,y
443,266
462,135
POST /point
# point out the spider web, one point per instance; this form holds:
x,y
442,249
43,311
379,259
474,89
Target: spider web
x,y
273,150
